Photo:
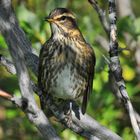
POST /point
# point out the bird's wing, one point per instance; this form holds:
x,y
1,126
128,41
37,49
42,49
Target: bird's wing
x,y
41,73
90,62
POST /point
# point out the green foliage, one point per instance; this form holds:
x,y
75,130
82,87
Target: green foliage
x,y
103,106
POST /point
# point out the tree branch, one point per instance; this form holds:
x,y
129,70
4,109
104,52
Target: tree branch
x,y
116,68
22,103
101,15
83,125
5,95
18,46
114,65
7,64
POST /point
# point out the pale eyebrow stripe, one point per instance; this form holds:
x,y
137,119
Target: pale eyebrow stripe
x,y
65,14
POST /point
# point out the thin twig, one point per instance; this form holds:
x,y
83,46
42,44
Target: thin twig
x,y
7,64
18,101
116,68
5,95
15,39
114,65
101,14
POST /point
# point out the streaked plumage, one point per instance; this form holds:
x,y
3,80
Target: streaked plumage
x,y
66,61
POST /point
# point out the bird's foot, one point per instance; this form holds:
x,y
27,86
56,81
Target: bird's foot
x,y
68,113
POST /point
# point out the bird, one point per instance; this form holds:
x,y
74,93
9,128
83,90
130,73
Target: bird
x,y
66,60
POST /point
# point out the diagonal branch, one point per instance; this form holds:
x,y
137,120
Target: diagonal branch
x,y
85,126
14,38
22,103
115,67
101,14
7,64
5,95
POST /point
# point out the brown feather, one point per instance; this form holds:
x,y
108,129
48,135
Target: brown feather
x,y
88,90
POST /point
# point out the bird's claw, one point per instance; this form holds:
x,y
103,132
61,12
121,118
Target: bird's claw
x,y
68,114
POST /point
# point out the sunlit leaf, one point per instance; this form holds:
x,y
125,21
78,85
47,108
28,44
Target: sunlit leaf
x,y
128,73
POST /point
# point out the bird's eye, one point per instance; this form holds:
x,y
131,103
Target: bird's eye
x,y
63,18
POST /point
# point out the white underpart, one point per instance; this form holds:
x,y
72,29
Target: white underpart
x,y
65,84
56,31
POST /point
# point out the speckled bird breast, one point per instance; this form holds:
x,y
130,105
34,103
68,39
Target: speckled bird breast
x,y
64,75
65,85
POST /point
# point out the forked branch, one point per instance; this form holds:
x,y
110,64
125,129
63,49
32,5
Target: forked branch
x,y
114,66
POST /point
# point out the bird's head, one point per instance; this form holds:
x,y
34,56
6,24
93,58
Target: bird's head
x,y
63,22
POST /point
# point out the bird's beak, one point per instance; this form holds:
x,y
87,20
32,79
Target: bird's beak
x,y
49,19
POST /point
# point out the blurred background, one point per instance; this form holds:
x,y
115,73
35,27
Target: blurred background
x,y
103,105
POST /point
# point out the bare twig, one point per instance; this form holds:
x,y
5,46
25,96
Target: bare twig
x,y
18,101
5,95
103,135
138,118
101,14
23,104
7,64
16,39
116,68
120,98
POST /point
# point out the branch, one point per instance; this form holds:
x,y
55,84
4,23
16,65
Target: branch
x,y
98,130
116,68
13,34
7,64
138,118
17,43
101,15
22,103
5,95
83,125
20,49
18,101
